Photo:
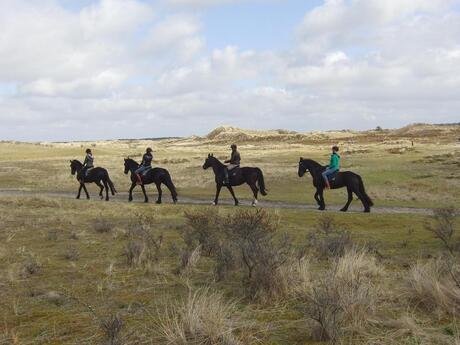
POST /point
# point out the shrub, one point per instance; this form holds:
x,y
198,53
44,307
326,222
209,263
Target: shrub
x,y
327,240
72,253
443,228
202,228
103,225
112,328
143,248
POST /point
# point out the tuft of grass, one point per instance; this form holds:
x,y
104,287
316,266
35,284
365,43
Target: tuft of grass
x,y
431,286
103,225
204,318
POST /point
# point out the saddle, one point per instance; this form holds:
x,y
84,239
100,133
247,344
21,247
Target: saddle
x,y
144,173
332,176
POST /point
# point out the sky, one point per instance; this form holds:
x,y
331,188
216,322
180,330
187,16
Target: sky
x,y
107,69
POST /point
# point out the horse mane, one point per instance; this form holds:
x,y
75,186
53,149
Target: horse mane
x,y
217,160
312,162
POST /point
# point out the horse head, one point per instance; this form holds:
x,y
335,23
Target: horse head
x,y
130,164
75,166
209,161
302,167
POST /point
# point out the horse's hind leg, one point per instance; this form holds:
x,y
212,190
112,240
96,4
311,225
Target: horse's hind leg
x,y
350,199
233,195
86,191
255,192
106,190
101,188
363,200
160,192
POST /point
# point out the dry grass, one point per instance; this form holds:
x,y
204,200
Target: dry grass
x,y
204,318
430,286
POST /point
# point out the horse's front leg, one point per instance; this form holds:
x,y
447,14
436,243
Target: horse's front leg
x,y
233,195
86,191
79,190
322,204
218,188
133,185
146,199
160,192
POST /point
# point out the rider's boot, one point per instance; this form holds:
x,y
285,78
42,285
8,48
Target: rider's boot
x,y
328,185
139,179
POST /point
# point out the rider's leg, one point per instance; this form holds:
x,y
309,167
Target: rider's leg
x,y
138,173
326,179
226,178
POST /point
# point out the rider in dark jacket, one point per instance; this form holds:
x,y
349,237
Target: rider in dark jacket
x,y
87,164
233,162
145,165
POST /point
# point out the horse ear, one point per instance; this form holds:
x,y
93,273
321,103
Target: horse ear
x,y
209,155
70,161
301,158
212,154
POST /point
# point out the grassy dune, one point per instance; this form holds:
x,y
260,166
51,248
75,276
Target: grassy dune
x,y
91,272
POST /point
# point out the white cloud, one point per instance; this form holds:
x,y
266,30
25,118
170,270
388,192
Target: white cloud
x,y
123,64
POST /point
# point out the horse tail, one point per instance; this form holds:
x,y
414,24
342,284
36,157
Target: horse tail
x,y
169,183
368,200
111,185
261,181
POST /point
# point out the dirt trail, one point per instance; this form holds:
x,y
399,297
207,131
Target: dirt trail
x,y
138,198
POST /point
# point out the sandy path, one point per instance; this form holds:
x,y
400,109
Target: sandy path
x,y
123,197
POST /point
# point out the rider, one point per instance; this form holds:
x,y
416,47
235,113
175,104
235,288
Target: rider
x,y
334,165
234,162
145,165
87,164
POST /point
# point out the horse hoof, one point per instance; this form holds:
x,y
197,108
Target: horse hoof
x,y
106,199
87,198
158,202
214,203
146,201
367,211
343,210
175,201
77,197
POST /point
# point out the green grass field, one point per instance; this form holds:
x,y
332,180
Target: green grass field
x,y
64,269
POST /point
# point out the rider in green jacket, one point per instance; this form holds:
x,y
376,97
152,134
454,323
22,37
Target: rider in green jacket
x,y
334,165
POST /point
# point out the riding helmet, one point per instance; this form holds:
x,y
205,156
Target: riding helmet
x,y
88,150
233,146
335,148
149,149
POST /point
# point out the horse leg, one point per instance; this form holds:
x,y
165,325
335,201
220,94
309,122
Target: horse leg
x,y
86,191
318,201
101,188
79,190
255,191
146,199
106,190
218,188
350,199
361,197
160,192
233,195
322,204
133,185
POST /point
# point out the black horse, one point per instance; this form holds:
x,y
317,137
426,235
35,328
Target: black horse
x,y
155,175
237,177
99,176
348,179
